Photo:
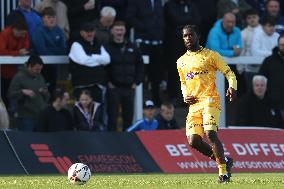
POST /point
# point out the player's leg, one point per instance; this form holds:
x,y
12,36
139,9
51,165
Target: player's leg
x,y
210,120
195,132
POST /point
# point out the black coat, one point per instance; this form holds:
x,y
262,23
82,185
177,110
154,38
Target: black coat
x,y
84,75
126,66
51,120
148,23
252,111
273,68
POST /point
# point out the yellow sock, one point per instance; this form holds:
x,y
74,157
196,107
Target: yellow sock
x,y
222,169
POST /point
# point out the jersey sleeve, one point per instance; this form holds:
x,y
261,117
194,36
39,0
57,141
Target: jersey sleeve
x,y
226,71
182,81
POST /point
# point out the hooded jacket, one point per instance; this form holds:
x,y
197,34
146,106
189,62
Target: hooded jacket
x,y
222,42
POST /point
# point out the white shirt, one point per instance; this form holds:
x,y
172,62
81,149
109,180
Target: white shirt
x,y
78,55
262,44
247,36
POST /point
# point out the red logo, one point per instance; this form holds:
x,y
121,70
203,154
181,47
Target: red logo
x,y
44,155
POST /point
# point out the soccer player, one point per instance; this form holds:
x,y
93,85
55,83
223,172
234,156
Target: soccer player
x,y
197,70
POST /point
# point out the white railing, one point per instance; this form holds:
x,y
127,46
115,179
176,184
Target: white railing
x,y
220,81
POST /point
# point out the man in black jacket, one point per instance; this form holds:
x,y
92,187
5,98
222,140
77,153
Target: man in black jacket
x,y
273,68
125,72
147,19
88,59
256,109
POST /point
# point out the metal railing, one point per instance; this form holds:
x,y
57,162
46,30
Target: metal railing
x,y
220,80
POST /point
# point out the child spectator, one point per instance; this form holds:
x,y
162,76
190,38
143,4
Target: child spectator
x,y
165,117
88,113
61,13
49,39
265,39
148,122
253,26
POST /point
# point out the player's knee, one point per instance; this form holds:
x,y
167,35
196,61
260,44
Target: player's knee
x,y
194,140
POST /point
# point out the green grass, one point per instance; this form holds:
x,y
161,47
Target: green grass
x,y
147,181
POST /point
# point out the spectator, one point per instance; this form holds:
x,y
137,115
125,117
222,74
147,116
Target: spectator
x,y
237,7
26,13
147,19
273,68
272,9
55,117
148,122
256,109
79,12
258,5
61,13
88,113
225,37
49,39
125,73
178,13
165,118
265,39
253,26
4,118
102,26
88,59
29,89
14,42
119,5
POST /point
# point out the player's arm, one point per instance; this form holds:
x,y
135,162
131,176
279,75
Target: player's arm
x,y
182,82
186,98
229,74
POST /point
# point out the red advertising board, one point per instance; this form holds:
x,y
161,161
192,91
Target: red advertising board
x,y
253,150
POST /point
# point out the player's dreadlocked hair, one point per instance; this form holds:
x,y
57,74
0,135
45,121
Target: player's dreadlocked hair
x,y
192,28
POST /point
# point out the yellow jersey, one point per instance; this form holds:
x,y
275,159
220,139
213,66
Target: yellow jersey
x,y
197,71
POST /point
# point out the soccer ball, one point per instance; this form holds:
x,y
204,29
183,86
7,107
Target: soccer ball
x,y
79,174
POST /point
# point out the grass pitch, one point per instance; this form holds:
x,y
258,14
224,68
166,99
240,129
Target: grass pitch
x,y
147,181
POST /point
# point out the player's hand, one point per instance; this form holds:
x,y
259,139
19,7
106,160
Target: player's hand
x,y
231,93
190,100
28,93
237,50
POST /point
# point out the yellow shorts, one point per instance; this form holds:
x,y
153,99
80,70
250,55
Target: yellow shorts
x,y
205,119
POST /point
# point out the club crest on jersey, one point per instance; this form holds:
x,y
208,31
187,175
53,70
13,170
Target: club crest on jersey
x,y
189,76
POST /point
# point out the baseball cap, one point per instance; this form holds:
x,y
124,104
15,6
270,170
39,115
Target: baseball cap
x,y
87,26
148,104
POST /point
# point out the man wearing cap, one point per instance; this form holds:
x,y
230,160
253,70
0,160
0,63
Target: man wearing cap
x,y
148,123
88,59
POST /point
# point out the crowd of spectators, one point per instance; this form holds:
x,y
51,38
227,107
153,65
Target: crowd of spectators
x,y
106,66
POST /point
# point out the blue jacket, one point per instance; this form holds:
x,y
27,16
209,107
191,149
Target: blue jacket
x,y
32,19
143,125
49,42
221,42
